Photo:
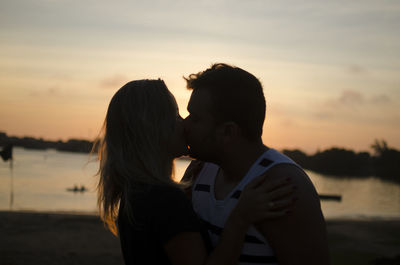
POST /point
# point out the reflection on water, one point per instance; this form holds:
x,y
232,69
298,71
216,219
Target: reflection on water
x,y
41,178
360,196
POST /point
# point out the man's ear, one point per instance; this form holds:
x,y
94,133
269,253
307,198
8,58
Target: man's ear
x,y
228,132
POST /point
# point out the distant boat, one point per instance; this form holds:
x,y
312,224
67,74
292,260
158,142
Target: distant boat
x,y
330,197
77,189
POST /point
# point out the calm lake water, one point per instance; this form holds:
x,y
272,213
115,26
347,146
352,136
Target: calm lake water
x,y
40,180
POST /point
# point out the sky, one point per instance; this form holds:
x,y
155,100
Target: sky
x,y
330,69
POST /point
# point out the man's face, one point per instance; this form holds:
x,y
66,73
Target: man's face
x,y
200,127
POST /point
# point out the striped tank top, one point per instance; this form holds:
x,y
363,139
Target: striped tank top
x,y
214,213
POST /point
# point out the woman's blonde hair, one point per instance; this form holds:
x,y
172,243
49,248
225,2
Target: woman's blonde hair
x,y
133,146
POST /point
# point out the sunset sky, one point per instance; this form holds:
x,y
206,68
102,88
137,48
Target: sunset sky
x,y
330,69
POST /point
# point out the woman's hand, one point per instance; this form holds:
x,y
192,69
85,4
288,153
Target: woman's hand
x,y
264,199
191,173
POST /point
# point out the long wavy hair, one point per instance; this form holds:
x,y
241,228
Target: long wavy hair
x,y
133,146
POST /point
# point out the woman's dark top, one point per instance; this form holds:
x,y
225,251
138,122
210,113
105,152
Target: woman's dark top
x,y
159,214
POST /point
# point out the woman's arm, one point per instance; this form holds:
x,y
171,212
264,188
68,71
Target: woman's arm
x,y
254,205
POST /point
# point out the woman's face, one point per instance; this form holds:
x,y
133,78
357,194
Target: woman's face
x,y
178,146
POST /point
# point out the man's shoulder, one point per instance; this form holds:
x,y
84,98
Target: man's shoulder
x,y
304,186
303,228
286,170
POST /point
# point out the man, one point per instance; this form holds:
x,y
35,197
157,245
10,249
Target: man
x,y
224,128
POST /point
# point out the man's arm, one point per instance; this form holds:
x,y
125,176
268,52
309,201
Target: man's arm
x,y
300,236
188,248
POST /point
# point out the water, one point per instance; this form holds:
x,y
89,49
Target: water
x,y
41,178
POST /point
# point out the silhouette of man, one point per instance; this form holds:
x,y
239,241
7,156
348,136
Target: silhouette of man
x,y
224,128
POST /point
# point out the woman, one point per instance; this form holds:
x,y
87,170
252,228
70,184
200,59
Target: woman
x,y
142,134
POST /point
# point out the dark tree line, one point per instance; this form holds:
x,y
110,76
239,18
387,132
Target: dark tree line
x,y
384,162
72,145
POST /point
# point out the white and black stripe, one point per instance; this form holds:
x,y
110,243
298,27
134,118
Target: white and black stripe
x,y
214,213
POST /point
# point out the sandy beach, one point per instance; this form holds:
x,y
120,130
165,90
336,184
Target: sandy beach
x,y
59,238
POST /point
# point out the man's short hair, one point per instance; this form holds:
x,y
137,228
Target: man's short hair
x,y
236,95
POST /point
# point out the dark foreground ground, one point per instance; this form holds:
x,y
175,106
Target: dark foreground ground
x,y
42,238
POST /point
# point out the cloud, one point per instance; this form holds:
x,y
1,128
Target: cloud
x,y
51,91
290,123
350,97
380,99
115,81
351,104
354,98
323,115
357,69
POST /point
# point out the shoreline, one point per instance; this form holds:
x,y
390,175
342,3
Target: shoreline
x,y
81,238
